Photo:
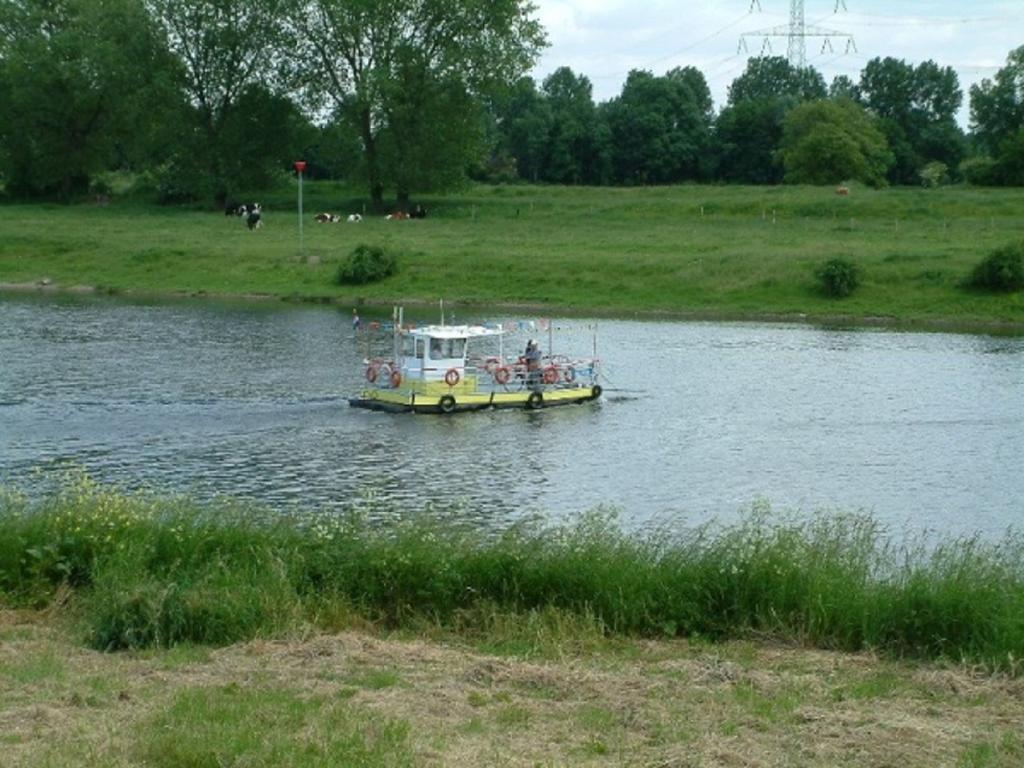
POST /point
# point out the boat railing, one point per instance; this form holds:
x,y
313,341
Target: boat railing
x,y
492,373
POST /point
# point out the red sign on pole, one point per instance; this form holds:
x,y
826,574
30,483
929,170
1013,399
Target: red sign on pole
x,y
300,165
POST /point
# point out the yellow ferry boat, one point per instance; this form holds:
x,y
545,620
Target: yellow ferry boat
x,y
450,368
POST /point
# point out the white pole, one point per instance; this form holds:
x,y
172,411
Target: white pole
x,y
300,215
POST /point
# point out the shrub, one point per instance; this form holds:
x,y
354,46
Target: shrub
x,y
934,174
979,171
1001,271
366,264
839,277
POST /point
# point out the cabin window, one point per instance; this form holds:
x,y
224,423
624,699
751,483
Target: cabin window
x,y
447,349
412,347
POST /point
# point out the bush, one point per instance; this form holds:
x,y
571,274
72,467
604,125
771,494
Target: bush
x,y
366,264
839,277
934,174
979,171
1001,271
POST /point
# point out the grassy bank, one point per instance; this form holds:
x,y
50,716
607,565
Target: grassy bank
x,y
147,572
692,250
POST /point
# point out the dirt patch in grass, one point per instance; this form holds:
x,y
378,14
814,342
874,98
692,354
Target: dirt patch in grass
x,y
636,703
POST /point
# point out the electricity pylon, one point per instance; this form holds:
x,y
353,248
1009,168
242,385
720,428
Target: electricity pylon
x,y
797,33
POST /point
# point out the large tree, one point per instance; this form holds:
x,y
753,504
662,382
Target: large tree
x,y
523,118
571,144
917,106
997,106
81,83
828,141
772,77
368,59
231,54
660,127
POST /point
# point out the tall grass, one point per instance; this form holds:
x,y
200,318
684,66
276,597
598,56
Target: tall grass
x,y
149,571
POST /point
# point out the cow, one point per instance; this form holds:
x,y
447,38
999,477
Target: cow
x,y
397,216
842,190
419,212
254,216
354,218
328,218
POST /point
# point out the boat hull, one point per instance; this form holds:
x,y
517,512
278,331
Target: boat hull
x,y
396,401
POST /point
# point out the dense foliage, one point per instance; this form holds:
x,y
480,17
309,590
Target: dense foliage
x,y
1000,271
838,278
366,264
160,572
211,100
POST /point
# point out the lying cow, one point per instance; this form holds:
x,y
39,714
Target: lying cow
x,y
419,212
397,216
328,218
354,218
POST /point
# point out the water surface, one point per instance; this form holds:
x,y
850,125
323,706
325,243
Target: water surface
x,y
698,420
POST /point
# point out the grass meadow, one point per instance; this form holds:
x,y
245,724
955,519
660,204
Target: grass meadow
x,y
704,251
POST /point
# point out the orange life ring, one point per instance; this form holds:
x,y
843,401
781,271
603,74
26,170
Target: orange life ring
x,y
451,377
502,374
396,379
371,373
569,374
550,374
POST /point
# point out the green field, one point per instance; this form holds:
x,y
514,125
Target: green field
x,y
688,251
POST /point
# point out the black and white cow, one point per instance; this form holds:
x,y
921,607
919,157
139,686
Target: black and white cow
x,y
254,216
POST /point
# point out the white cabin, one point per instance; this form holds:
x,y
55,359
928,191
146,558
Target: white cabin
x,y
427,354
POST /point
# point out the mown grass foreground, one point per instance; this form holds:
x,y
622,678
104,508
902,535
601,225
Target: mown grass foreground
x,y
148,572
689,250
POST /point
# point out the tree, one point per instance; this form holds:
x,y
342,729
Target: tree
x,y
80,83
825,142
524,121
570,140
748,135
660,127
748,131
772,77
229,52
997,114
918,108
366,57
843,88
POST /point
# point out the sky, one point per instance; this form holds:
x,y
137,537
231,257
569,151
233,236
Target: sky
x,y
605,39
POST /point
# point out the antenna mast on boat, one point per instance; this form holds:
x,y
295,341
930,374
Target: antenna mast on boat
x,y
396,323
442,311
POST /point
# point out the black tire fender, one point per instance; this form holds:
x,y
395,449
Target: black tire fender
x,y
447,404
535,401
595,391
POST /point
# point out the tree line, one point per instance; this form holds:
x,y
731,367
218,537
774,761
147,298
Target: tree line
x,y
205,99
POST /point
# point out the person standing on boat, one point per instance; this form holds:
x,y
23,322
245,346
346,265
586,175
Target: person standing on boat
x,y
532,356
356,322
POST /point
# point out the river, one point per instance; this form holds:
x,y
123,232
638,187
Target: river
x,y
699,420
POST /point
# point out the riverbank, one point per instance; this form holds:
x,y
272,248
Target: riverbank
x,y
376,699
687,252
